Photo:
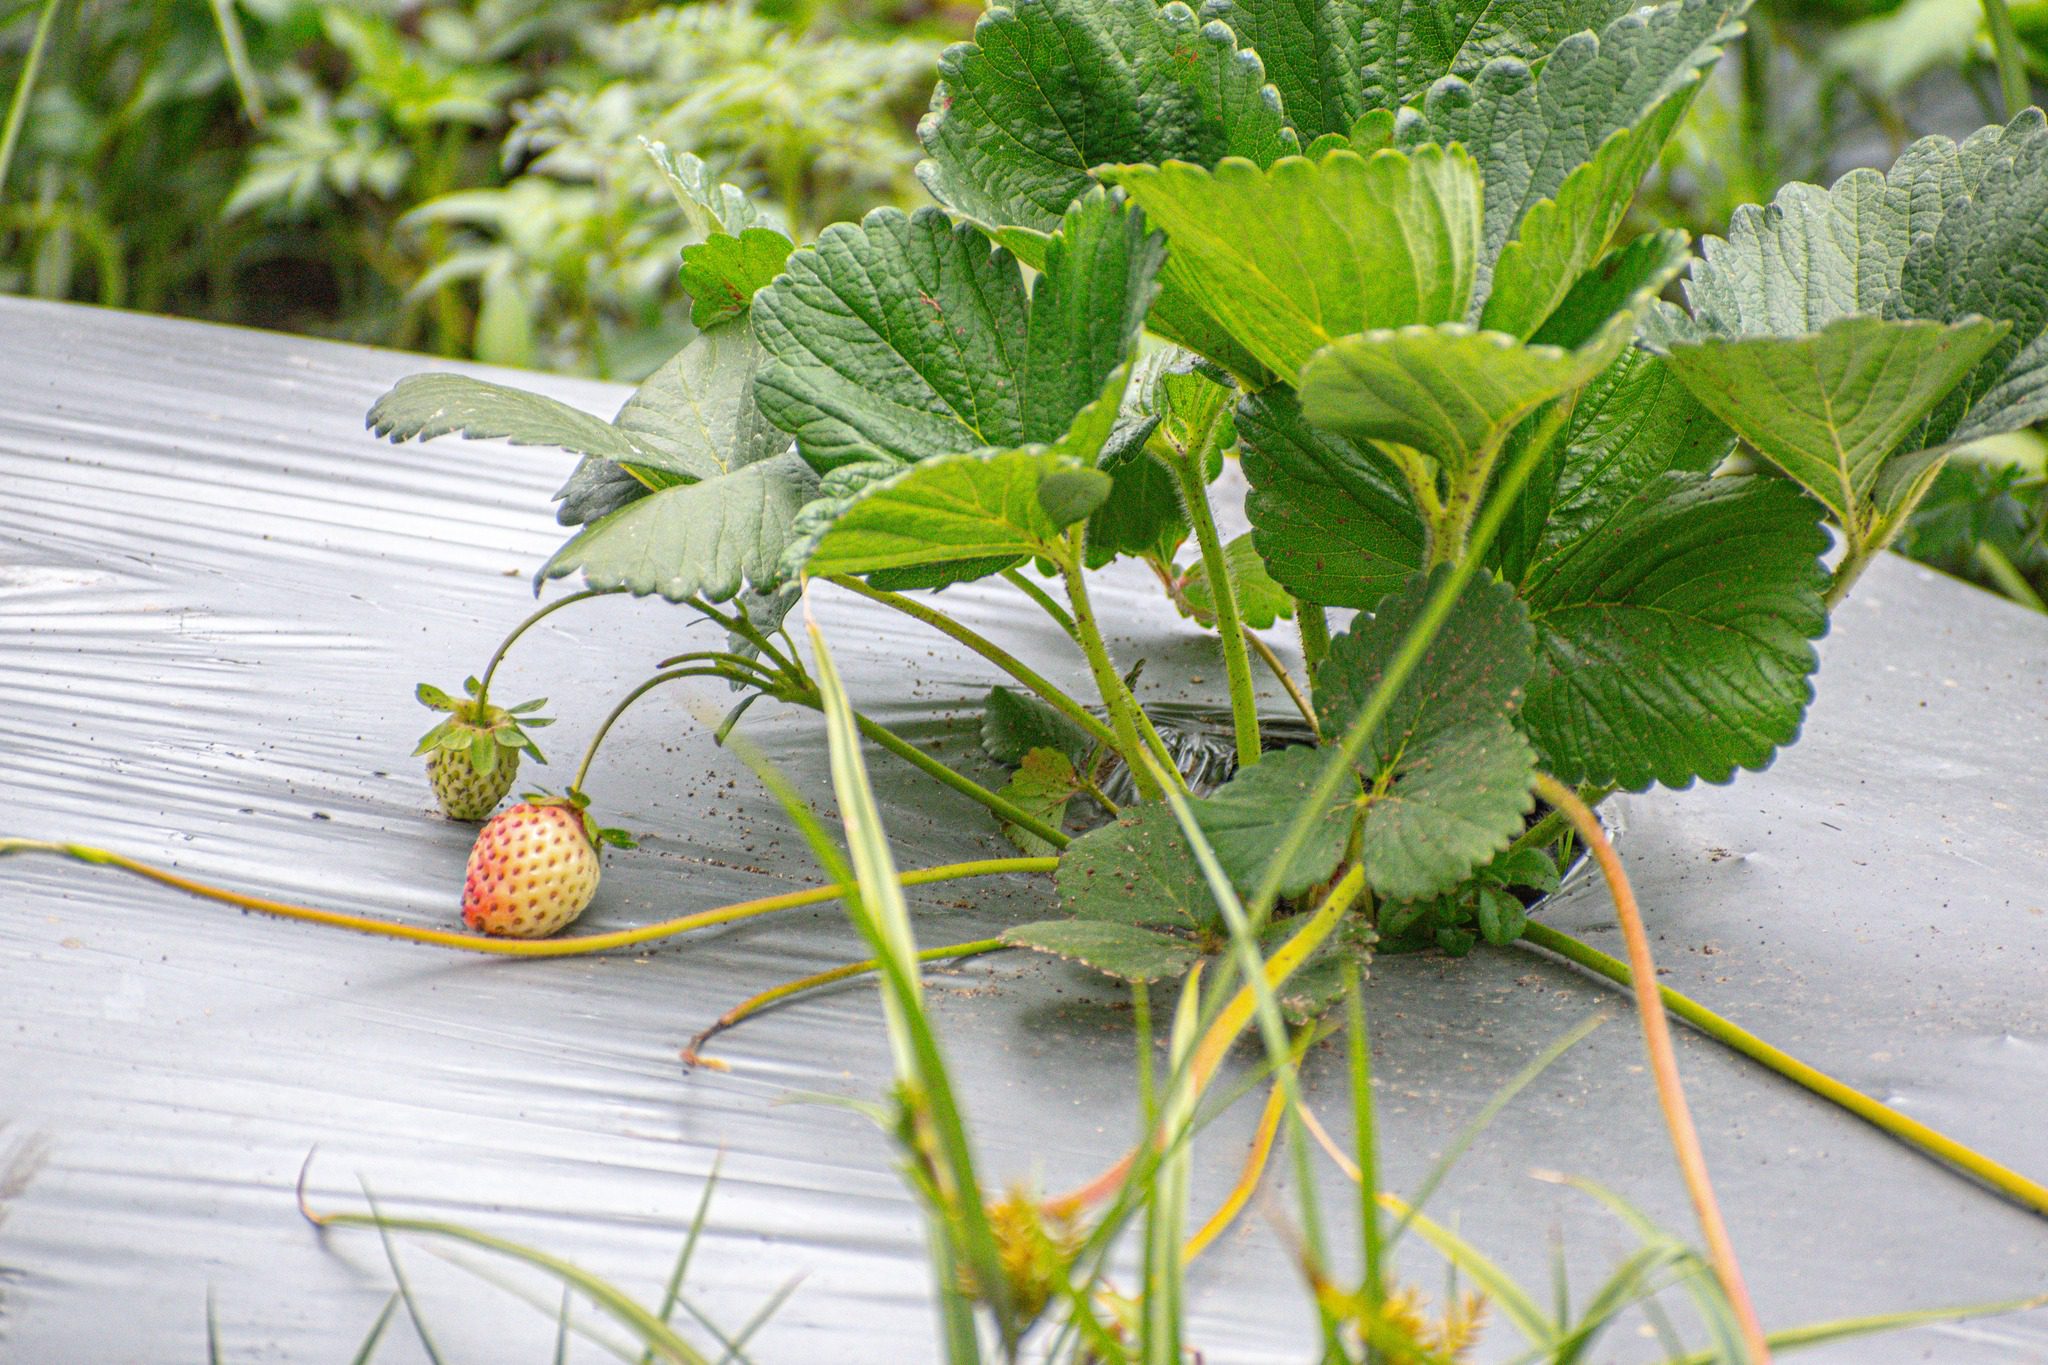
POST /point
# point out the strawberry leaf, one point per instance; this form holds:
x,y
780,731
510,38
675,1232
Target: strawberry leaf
x,y
1247,817
1042,786
1409,45
723,272
1047,91
1530,130
1136,870
1831,407
700,539
1287,259
423,406
1330,516
1674,633
906,338
1013,724
1447,774
1120,950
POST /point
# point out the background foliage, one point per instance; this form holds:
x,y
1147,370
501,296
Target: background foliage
x,y
468,176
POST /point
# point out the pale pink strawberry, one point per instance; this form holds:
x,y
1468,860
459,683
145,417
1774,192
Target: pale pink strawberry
x,y
531,873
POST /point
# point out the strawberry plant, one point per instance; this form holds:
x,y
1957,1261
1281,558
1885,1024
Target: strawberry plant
x,y
1375,251
1374,255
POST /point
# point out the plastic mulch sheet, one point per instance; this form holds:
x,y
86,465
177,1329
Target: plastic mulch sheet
x,y
216,594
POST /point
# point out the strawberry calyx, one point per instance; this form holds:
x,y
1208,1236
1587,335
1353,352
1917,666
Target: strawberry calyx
x,y
479,729
600,836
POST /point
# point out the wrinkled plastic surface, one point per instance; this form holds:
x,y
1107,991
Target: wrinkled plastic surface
x,y
216,594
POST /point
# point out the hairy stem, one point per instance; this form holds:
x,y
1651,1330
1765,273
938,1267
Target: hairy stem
x,y
505,645
987,649
1194,492
1285,679
966,786
1407,658
754,1004
1692,1161
2030,1193
1546,831
578,946
1044,599
1115,695
1314,624
605,726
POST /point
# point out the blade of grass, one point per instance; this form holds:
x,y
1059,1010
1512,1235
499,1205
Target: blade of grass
x,y
2010,57
657,1335
213,1355
24,91
673,1291
1685,1140
735,1350
412,1308
369,1347
1502,1097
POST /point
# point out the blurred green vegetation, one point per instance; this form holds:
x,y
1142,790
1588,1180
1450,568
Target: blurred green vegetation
x,y
468,176
462,176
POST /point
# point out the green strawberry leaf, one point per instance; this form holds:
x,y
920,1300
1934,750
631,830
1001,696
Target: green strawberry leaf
x,y
1330,516
1530,129
1407,46
1142,515
1631,424
965,515
709,206
1048,91
1136,870
1248,816
1260,600
1448,392
1501,917
1014,723
1674,635
1120,950
1286,259
1042,786
722,273
695,417
1448,775
423,406
1830,407
907,338
704,539
1558,240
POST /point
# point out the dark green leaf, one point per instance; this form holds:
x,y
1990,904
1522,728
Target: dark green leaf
x,y
1330,517
1014,723
1049,90
1409,45
1448,776
1530,130
1676,642
1120,950
1138,869
1249,815
908,337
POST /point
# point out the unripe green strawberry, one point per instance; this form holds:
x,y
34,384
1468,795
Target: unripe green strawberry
x,y
465,793
534,868
473,756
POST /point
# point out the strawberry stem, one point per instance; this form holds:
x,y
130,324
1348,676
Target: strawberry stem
x,y
483,687
754,1004
578,946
